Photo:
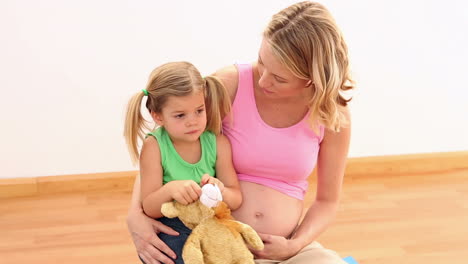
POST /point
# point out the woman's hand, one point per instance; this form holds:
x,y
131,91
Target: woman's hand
x,y
276,247
207,179
149,247
185,191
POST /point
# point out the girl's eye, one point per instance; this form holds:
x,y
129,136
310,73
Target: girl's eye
x,y
199,111
179,115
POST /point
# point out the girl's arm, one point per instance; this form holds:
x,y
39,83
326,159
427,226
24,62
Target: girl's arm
x,y
153,192
226,174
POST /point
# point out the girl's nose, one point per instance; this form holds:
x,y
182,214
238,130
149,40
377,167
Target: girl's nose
x,y
192,121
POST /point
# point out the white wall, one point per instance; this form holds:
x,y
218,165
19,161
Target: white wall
x,y
67,69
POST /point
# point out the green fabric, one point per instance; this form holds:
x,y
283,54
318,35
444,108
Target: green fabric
x,y
175,168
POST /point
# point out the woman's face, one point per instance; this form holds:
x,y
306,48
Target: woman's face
x,y
276,80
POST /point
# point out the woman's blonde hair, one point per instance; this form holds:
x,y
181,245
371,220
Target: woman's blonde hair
x,y
306,39
174,79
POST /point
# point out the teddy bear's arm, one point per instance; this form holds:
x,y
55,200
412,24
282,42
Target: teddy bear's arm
x,y
250,236
192,252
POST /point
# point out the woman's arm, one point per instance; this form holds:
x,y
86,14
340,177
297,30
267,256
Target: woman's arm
x,y
144,229
135,202
330,172
226,174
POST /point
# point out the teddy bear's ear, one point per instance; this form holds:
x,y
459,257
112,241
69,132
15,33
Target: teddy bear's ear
x,y
169,210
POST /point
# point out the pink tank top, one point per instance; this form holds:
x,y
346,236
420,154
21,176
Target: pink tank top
x,y
279,158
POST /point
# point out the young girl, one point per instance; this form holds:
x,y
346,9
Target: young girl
x,y
187,149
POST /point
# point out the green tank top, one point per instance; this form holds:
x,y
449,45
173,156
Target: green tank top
x,y
175,168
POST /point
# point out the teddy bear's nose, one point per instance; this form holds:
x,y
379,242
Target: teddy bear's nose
x,y
211,195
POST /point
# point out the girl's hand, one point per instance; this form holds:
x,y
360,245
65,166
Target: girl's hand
x,y
149,247
207,179
185,191
276,247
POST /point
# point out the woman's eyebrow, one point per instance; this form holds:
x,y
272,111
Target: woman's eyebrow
x,y
276,75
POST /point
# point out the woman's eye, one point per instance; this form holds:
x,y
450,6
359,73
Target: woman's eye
x,y
279,80
199,111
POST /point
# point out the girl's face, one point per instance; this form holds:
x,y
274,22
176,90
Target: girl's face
x,y
183,117
276,81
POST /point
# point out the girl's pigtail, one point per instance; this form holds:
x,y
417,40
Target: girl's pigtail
x,y
218,103
135,126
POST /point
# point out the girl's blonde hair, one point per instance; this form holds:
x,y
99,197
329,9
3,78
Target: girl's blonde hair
x,y
306,39
174,79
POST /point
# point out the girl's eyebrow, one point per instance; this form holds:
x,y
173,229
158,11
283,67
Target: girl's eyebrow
x,y
182,111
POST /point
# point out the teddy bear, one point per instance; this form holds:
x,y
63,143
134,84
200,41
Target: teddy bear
x,y
216,237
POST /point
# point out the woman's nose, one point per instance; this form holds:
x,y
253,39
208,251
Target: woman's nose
x,y
264,80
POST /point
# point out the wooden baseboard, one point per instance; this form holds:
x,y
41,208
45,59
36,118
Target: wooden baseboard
x,y
382,166
379,166
18,187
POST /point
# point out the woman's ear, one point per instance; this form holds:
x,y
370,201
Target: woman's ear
x,y
157,118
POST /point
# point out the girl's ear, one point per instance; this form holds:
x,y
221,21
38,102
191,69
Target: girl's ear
x,y
157,118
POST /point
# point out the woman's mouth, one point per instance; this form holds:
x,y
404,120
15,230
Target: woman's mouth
x,y
267,91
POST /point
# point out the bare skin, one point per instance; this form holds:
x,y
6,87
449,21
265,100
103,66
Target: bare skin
x,y
274,215
281,101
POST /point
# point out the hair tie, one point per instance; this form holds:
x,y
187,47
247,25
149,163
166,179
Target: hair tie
x,y
145,92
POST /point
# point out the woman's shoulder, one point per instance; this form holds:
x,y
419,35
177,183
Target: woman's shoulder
x,y
229,76
223,145
220,140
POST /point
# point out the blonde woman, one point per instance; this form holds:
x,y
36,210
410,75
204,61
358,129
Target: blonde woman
x,y
288,116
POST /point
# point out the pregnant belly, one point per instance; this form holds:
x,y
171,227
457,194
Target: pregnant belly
x,y
267,210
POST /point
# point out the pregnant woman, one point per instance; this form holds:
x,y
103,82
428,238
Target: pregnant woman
x,y
288,116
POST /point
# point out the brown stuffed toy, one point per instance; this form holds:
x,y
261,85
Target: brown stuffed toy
x,y
216,237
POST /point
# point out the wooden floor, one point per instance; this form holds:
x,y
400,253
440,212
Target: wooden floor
x,y
395,219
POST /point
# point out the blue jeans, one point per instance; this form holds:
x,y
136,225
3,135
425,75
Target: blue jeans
x,y
176,243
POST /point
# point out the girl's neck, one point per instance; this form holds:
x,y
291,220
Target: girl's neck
x,y
189,151
185,144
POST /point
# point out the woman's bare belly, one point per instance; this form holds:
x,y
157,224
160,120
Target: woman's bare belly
x,y
267,210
